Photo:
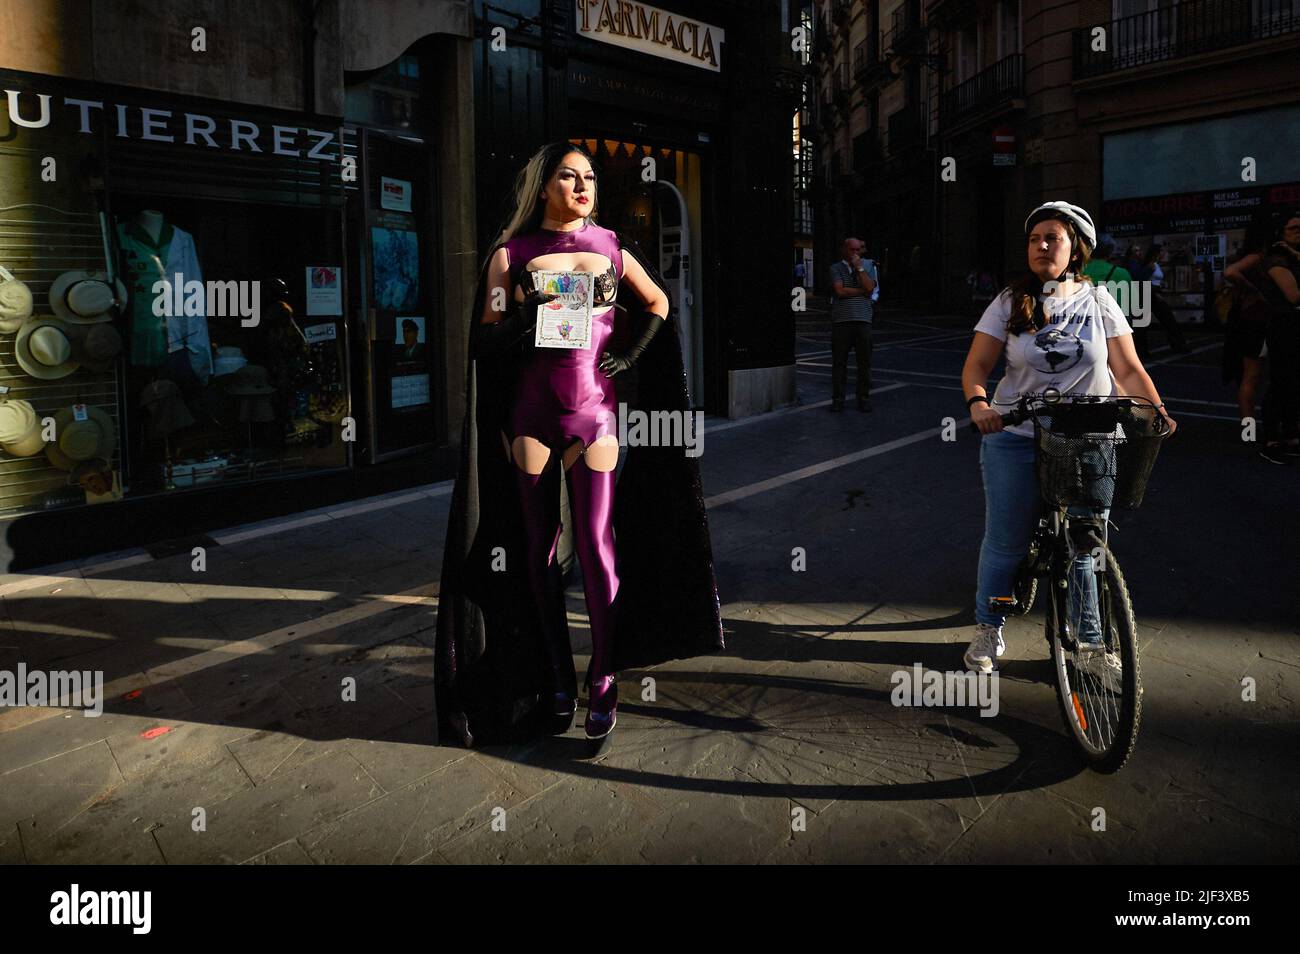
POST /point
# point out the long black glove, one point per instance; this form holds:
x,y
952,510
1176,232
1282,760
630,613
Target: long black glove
x,y
495,339
615,362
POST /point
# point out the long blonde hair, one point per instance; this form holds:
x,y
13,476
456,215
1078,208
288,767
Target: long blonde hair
x,y
528,206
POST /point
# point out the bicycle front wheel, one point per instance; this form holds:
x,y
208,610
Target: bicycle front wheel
x,y
1099,687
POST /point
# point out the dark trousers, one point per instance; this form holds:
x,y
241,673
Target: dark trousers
x,y
854,335
1282,400
1161,312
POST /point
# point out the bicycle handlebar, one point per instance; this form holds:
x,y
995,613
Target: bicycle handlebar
x,y
1027,407
1010,419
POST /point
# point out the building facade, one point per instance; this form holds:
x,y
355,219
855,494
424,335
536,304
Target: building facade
x,y
1143,111
232,236
343,165
876,79
697,88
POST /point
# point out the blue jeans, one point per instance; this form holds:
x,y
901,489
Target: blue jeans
x,y
1012,505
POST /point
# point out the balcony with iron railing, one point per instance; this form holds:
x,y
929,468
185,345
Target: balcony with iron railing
x,y
997,87
944,12
1188,29
840,87
823,44
871,67
905,33
825,114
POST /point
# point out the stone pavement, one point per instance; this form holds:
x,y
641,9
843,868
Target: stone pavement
x,y
224,687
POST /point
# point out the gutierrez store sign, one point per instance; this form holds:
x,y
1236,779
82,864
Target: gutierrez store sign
x,y
647,29
159,125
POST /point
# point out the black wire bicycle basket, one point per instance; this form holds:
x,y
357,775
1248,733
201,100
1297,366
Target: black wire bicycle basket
x,y
1097,454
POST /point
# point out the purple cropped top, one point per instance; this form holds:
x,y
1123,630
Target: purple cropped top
x,y
562,396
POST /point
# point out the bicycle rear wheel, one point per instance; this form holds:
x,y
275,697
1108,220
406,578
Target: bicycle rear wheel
x,y
1099,690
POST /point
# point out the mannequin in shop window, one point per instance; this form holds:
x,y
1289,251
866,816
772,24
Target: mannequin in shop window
x,y
172,346
537,416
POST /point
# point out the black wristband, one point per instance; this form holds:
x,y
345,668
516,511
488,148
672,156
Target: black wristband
x,y
978,397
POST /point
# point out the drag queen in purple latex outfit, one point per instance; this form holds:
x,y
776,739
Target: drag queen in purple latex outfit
x,y
537,410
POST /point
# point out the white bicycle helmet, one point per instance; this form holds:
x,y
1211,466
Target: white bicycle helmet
x,y
1063,210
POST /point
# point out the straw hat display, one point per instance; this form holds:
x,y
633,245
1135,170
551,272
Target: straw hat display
x,y
15,302
95,476
85,297
229,359
252,380
78,441
252,383
97,347
168,412
20,429
43,349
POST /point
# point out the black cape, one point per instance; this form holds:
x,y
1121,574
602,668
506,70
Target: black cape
x,y
489,657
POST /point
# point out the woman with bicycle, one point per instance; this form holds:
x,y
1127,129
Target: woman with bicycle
x,y
1058,333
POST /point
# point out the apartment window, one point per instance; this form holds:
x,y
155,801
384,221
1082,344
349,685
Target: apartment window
x,y
860,152
1008,28
968,52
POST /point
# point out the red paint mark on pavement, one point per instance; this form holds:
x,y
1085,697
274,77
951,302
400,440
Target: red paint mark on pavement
x,y
155,732
134,694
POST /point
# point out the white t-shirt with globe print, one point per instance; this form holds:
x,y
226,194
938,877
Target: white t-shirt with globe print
x,y
1069,353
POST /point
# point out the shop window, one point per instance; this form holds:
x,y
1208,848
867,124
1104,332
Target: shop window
x,y
117,378
242,375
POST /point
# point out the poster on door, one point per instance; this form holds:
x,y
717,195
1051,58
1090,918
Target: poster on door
x,y
394,194
324,290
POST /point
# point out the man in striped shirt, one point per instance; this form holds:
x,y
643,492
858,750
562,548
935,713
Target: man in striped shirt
x,y
853,279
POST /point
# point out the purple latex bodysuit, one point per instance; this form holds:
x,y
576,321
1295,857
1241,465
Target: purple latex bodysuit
x,y
563,398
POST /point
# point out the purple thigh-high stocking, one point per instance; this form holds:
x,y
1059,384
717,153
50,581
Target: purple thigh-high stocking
x,y
592,512
540,500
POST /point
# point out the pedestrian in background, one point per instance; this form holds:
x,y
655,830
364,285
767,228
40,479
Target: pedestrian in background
x,y
853,280
1160,310
982,287
1132,260
1282,400
1107,266
1245,348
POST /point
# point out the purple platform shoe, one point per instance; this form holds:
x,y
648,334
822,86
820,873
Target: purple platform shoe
x,y
602,710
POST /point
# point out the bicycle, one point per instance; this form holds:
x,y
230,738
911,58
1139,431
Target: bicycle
x,y
1095,453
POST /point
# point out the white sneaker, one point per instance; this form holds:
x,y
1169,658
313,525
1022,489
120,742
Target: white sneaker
x,y
1103,667
981,654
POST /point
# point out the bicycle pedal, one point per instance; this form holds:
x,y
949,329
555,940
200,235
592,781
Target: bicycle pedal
x,y
1003,605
